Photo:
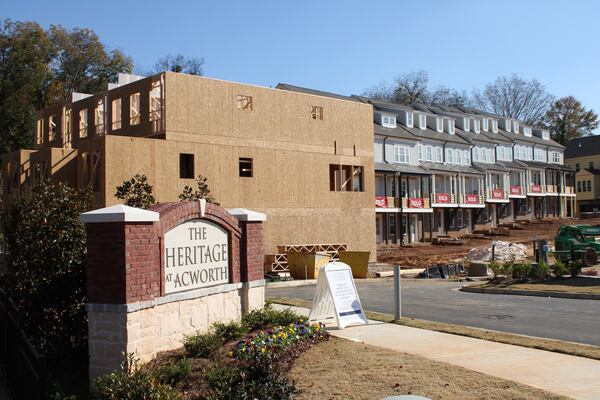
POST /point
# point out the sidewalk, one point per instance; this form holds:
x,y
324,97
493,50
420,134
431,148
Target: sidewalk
x,y
576,377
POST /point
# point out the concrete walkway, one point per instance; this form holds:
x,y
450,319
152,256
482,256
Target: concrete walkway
x,y
576,377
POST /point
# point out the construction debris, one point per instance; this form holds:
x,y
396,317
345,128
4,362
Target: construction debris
x,y
504,251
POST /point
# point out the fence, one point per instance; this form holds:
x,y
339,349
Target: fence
x,y
26,369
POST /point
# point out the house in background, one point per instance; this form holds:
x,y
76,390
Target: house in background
x,y
583,154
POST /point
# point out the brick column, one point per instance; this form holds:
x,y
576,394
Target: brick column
x,y
251,256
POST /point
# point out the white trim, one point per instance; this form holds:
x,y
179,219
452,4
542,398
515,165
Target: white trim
x,y
243,214
119,213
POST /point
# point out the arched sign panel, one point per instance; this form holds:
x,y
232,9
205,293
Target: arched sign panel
x,y
196,256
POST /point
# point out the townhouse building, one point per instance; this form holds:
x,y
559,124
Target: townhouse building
x,y
305,161
583,155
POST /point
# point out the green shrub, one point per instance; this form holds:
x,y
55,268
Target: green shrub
x,y
558,269
202,345
132,384
221,379
496,268
228,331
256,319
507,268
575,268
46,265
173,373
541,271
521,270
136,192
202,192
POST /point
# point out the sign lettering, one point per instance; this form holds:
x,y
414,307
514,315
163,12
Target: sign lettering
x,y
515,190
381,201
498,194
442,198
196,255
536,188
415,202
472,199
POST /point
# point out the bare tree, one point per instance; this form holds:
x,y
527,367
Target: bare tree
x,y
413,88
514,97
180,63
568,119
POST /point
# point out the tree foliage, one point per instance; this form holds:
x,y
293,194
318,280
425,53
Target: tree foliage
x,y
39,67
46,265
413,87
568,119
180,63
136,192
202,192
514,97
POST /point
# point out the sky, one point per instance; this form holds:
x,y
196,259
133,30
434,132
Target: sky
x,y
348,46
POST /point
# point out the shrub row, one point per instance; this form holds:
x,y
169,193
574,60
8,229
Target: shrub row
x,y
541,271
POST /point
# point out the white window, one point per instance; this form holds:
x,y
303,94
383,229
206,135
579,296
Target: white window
x,y
495,126
429,153
507,125
556,157
458,156
484,154
466,157
475,153
439,124
401,154
485,124
545,135
422,121
409,119
476,126
449,156
491,155
451,126
500,152
466,124
529,153
438,154
527,132
420,152
518,152
388,121
516,126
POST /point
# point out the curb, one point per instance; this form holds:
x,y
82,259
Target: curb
x,y
283,284
516,292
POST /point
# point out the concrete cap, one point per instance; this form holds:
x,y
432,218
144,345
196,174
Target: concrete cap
x,y
247,215
119,213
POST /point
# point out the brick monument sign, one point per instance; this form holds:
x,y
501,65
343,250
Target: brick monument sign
x,y
156,275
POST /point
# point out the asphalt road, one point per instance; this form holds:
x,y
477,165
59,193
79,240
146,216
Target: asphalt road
x,y
563,319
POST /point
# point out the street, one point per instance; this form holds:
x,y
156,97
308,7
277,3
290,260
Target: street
x,y
435,300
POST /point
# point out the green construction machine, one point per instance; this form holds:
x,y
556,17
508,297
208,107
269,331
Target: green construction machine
x,y
578,243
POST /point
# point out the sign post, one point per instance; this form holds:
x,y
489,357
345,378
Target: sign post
x,y
336,297
397,293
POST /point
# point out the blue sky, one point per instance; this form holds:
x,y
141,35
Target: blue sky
x,y
348,46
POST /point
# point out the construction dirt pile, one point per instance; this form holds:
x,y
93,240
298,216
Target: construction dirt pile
x,y
504,251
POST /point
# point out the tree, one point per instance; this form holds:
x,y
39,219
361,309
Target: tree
x,y
46,265
514,97
136,192
39,67
203,192
413,87
568,119
180,63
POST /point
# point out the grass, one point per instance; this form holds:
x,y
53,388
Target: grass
x,y
341,369
557,346
567,285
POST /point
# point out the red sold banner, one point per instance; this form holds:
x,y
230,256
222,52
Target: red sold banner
x,y
515,189
442,198
415,202
472,199
536,188
381,201
498,194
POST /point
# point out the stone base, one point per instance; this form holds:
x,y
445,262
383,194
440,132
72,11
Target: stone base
x,y
147,328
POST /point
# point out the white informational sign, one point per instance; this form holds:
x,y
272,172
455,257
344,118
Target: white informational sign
x,y
336,297
196,256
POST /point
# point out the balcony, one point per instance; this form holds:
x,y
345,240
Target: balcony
x,y
568,190
552,190
535,190
386,202
516,191
498,195
472,200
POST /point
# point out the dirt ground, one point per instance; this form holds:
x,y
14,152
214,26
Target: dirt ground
x,y
421,255
340,369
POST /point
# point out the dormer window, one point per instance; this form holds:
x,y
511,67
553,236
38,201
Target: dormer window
x,y
495,126
485,124
545,135
409,119
527,131
466,124
422,121
451,126
388,121
516,127
476,126
439,122
507,125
